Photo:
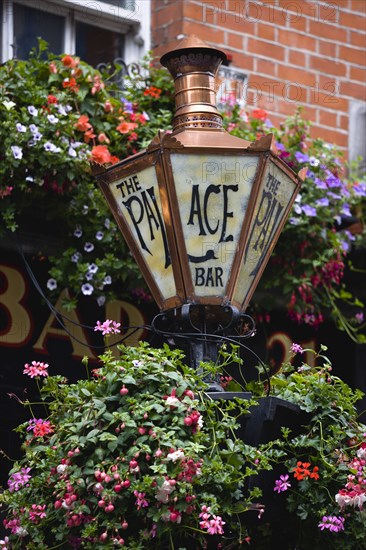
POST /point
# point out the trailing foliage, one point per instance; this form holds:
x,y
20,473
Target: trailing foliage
x,y
59,113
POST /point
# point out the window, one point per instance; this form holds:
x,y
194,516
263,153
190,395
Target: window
x,y
96,45
97,31
357,134
30,23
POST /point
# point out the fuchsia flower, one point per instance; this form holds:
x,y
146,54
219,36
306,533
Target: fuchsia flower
x,y
108,327
40,427
141,502
36,368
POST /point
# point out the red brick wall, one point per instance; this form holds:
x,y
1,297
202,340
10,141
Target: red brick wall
x,y
306,52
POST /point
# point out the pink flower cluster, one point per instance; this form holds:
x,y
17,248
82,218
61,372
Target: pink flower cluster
x,y
354,492
141,501
332,523
36,369
296,348
37,512
19,479
108,327
282,484
213,524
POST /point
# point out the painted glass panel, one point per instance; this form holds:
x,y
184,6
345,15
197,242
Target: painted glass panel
x,y
273,198
138,200
213,193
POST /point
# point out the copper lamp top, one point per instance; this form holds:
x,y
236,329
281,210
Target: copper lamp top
x,y
194,65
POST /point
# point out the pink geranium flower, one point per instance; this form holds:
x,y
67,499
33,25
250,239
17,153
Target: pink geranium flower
x,y
108,327
35,369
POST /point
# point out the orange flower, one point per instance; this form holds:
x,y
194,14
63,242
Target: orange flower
x,y
260,114
83,123
314,473
154,92
89,135
69,61
114,159
126,127
100,154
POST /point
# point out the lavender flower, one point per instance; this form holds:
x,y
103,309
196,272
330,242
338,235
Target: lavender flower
x,y
322,202
17,151
20,127
301,157
87,289
76,257
309,210
99,235
52,119
51,284
78,232
32,110
88,247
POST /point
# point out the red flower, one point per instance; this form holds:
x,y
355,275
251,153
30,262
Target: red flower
x,y
69,61
302,471
260,114
52,99
70,83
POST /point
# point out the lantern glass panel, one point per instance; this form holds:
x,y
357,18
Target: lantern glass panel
x,y
274,197
137,198
212,192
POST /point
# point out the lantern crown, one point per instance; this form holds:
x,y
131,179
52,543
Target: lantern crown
x,y
194,65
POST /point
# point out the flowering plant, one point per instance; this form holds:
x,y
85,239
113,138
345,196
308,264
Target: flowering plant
x,y
59,113
139,455
135,456
322,473
310,259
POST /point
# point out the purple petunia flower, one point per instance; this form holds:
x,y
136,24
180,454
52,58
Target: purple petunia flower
x,y
322,202
301,157
309,210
